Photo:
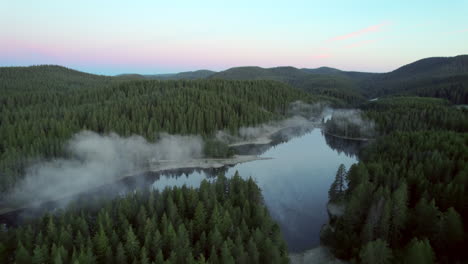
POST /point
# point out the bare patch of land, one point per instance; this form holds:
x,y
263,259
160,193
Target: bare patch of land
x,y
206,163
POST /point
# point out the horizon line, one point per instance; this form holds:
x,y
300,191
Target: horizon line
x,y
214,71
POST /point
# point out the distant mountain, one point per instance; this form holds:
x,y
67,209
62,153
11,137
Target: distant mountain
x,y
431,67
257,73
323,81
55,77
131,76
442,77
190,75
323,70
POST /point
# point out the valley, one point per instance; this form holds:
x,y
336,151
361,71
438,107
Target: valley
x,y
85,146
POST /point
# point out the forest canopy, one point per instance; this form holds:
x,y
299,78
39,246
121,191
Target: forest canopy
x,y
224,221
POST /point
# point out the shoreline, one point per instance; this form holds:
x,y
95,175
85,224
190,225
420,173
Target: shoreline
x,y
348,138
166,165
206,163
266,138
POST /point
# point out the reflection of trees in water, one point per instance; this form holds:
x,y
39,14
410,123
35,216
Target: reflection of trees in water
x,y
349,147
141,182
278,138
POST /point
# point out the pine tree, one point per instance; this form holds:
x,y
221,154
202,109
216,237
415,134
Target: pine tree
x,y
419,252
22,256
132,245
120,257
39,255
376,252
338,186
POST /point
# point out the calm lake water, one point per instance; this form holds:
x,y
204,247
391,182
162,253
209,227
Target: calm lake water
x,y
294,183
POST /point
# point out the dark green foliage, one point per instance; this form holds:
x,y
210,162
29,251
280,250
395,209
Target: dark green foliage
x,y
350,124
211,229
42,107
217,149
419,251
407,185
441,77
338,86
415,113
337,188
376,252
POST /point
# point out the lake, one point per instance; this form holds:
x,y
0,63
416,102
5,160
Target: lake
x,y
294,183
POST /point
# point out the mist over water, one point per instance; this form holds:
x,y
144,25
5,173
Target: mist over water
x,y
98,159
294,183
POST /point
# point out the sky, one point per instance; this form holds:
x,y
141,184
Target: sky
x,y
152,36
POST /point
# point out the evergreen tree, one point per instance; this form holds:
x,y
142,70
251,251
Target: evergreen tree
x,y
419,252
376,252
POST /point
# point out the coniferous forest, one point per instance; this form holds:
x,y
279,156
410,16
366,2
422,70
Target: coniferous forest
x,y
220,222
43,106
404,201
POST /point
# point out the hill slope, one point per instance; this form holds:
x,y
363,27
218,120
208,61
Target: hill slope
x,y
42,107
190,75
432,77
330,82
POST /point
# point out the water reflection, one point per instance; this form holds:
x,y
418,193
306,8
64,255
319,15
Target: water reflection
x,y
294,182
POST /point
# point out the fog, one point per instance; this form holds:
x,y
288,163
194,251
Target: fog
x,y
93,159
344,118
97,159
302,116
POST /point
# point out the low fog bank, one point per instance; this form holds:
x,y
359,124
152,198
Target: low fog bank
x,y
302,116
96,159
350,123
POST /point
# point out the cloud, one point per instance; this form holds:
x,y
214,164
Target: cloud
x,y
362,43
374,28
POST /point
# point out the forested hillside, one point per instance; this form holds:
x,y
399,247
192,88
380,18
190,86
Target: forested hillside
x,y
406,198
320,82
445,78
440,77
220,222
190,75
416,113
42,107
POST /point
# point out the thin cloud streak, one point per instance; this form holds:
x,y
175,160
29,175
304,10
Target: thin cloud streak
x,y
374,28
362,43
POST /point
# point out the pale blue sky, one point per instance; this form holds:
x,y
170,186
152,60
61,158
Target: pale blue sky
x,y
111,37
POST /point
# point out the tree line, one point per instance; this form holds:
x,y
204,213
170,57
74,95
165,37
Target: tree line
x,y
405,201
222,221
42,107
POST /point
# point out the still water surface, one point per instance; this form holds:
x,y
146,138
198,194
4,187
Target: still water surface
x,y
294,183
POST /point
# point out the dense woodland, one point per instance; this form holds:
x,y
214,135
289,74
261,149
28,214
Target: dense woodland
x,y
405,201
406,198
220,222
42,107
